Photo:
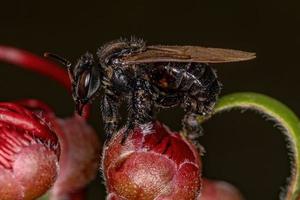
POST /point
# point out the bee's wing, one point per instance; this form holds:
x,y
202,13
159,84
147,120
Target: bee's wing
x,y
162,53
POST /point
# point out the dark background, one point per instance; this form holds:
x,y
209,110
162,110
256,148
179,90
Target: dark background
x,y
241,149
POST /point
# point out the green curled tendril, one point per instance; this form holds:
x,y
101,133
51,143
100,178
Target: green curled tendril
x,y
284,118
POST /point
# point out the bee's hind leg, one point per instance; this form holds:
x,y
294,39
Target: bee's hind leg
x,y
192,127
193,130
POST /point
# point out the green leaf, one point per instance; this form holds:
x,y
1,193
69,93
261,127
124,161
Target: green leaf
x,y
283,117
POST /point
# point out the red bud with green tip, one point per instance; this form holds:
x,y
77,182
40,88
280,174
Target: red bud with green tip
x,y
153,163
29,152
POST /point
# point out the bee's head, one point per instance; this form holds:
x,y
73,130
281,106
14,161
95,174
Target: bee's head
x,y
85,77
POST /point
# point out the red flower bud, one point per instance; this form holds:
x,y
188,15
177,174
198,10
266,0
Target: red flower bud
x,y
153,163
219,190
80,150
29,152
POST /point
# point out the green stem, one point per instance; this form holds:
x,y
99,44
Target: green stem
x,y
288,122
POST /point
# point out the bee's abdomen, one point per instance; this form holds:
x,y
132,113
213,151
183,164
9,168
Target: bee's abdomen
x,y
194,78
205,80
195,84
199,82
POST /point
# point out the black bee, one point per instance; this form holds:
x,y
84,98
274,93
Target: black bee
x,y
149,78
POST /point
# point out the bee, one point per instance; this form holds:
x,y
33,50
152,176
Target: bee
x,y
149,78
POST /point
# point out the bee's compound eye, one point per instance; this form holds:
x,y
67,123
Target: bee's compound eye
x,y
83,84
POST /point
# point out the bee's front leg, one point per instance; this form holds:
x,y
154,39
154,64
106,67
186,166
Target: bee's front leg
x,y
110,114
140,106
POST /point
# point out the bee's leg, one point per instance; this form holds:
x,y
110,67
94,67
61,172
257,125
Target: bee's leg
x,y
140,106
109,109
192,128
191,125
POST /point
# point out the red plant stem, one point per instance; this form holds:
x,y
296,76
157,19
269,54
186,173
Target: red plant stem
x,y
32,62
37,64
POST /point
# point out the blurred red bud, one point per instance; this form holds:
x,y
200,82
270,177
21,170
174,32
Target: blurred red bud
x,y
219,190
153,163
29,152
80,157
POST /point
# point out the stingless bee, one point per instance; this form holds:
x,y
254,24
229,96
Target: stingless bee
x,y
149,78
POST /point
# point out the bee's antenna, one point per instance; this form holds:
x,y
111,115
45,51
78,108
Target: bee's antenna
x,y
62,60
